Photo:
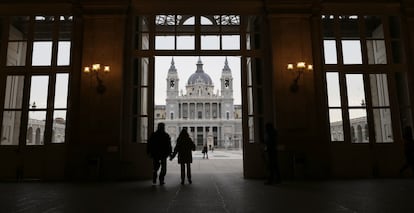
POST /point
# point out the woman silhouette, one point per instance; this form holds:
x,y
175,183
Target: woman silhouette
x,y
184,148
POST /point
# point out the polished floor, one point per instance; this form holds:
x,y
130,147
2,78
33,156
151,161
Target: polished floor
x,y
218,186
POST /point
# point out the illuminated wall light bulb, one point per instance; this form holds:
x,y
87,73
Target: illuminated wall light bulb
x,y
96,70
301,65
107,69
96,67
299,70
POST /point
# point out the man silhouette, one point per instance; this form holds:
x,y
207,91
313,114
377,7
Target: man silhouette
x,y
159,148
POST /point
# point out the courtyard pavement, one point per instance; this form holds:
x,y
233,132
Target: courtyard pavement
x,y
218,187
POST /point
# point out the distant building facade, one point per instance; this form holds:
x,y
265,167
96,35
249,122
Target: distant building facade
x,y
211,118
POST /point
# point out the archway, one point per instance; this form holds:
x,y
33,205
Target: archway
x,y
167,39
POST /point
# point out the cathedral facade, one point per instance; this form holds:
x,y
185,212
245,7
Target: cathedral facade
x,y
210,117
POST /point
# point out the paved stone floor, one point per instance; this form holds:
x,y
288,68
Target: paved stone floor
x,y
218,186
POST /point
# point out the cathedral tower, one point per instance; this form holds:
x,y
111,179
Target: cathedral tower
x,y
172,81
226,81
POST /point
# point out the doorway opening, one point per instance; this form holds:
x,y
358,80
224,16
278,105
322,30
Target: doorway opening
x,y
176,57
203,96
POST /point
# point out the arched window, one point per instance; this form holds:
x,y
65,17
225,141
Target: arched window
x,y
184,35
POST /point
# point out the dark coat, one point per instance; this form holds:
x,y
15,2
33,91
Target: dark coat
x,y
184,148
205,150
159,145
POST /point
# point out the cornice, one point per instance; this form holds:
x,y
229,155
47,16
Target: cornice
x,y
104,7
287,9
198,7
362,7
34,8
408,8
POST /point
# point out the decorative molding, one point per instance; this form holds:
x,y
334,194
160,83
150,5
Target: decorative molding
x,y
35,8
198,7
288,7
408,8
105,7
361,7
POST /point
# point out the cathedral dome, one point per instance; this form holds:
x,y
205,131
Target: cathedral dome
x,y
199,76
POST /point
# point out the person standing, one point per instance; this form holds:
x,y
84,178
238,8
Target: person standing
x,y
159,148
270,142
211,148
184,148
205,152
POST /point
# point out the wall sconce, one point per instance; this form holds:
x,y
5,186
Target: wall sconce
x,y
300,68
95,69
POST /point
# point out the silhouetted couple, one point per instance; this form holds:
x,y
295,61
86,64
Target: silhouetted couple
x,y
159,149
205,152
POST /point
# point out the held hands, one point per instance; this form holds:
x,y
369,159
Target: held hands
x,y
171,157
